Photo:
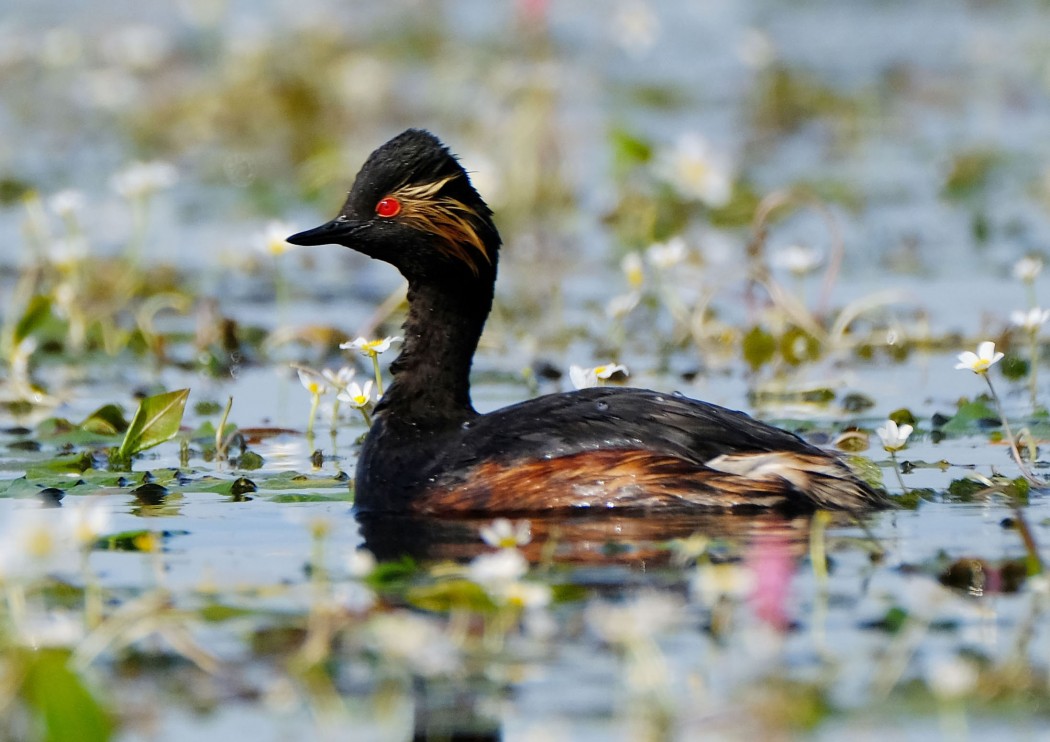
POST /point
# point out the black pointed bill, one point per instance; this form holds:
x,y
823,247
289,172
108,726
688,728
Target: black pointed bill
x,y
335,232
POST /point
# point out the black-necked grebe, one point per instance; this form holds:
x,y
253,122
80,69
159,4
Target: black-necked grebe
x,y
428,451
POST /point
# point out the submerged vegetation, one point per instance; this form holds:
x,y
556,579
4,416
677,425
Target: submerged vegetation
x,y
176,540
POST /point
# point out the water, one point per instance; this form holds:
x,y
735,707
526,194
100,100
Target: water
x,y
897,93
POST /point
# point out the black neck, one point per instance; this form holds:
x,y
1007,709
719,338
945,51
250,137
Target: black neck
x,y
431,387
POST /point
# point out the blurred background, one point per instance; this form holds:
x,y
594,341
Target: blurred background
x,y
891,147
925,123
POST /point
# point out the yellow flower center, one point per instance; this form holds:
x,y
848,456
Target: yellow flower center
x,y
40,544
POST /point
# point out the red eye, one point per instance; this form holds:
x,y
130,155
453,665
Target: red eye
x,y
388,207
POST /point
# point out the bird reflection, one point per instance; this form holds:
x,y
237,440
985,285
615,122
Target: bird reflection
x,y
587,539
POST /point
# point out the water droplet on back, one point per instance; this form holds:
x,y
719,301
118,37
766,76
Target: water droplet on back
x,y
601,406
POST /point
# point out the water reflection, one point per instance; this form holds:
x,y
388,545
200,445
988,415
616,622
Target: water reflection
x,y
641,540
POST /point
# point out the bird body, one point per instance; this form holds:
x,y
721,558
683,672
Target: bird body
x,y
430,452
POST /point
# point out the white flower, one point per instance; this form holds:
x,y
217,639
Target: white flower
x,y
582,378
66,204
693,169
53,629
527,595
797,259
339,379
354,597
497,568
312,381
755,48
33,543
413,640
504,534
1028,268
636,26
608,370
631,265
86,521
360,563
357,395
65,252
142,179
951,678
714,581
370,347
136,46
980,361
666,255
636,620
620,306
894,438
1031,320
272,240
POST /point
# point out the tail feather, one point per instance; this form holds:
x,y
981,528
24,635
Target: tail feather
x,y
821,478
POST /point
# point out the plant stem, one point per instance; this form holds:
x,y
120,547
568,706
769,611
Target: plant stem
x,y
897,471
1033,562
220,443
818,557
315,401
1025,472
1033,368
379,376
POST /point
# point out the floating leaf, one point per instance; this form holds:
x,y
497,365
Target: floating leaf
x,y
857,402
969,172
106,420
139,540
1014,367
798,346
311,497
759,347
971,417
902,416
150,493
156,421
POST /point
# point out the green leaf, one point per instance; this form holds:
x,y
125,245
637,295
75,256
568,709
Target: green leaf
x,y
444,596
157,420
106,420
64,705
38,312
759,347
969,172
629,150
971,418
217,612
393,575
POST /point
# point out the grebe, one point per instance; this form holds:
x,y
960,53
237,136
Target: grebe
x,y
429,452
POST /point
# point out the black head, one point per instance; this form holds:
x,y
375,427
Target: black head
x,y
413,206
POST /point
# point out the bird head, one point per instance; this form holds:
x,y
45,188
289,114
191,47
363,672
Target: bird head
x,y
412,205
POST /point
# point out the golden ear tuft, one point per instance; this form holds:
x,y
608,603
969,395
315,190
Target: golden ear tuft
x,y
449,219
